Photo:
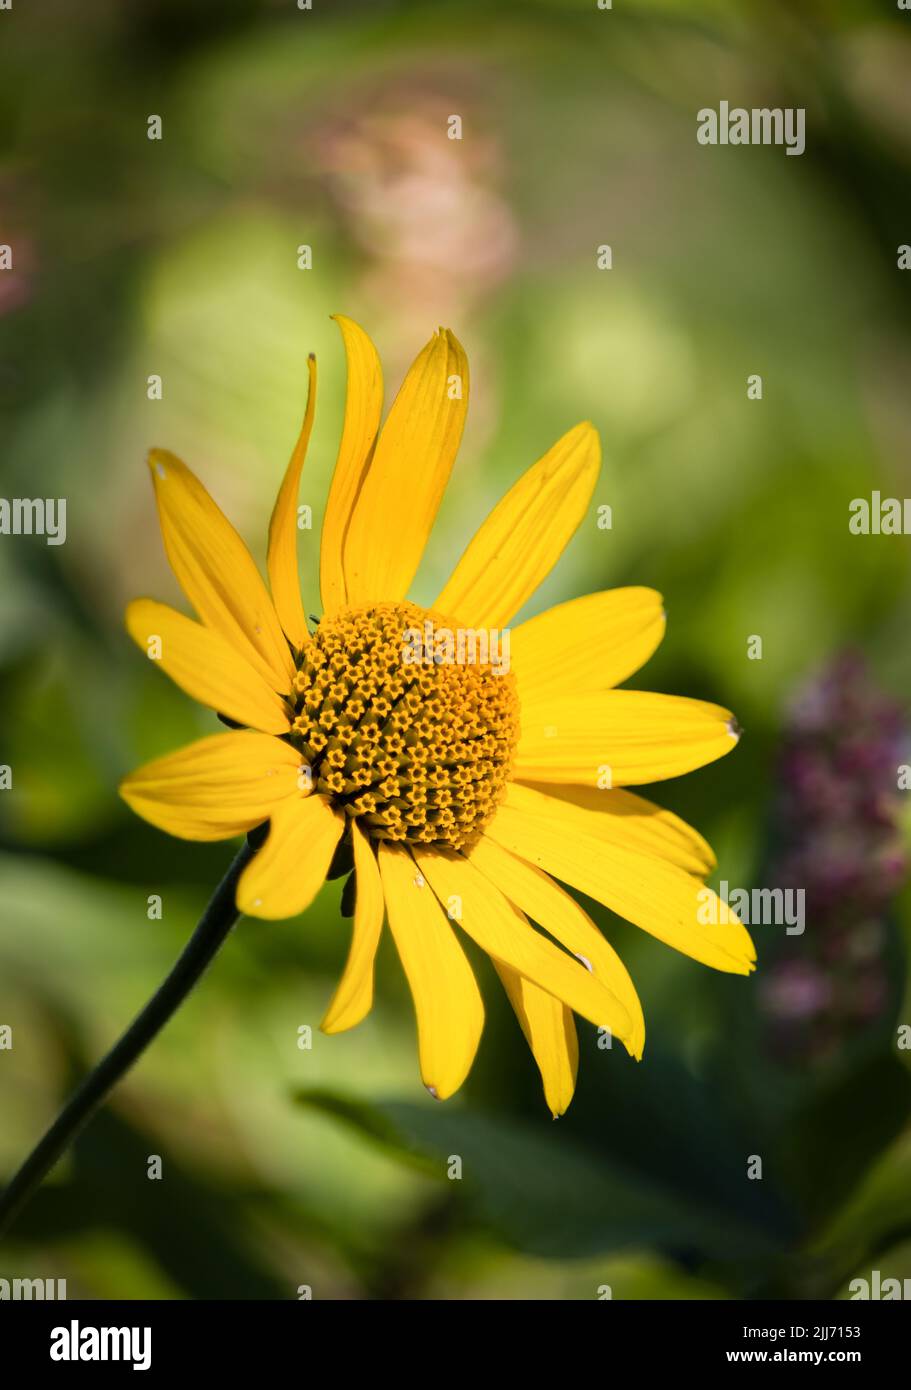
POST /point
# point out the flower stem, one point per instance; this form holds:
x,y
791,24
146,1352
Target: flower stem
x,y
212,930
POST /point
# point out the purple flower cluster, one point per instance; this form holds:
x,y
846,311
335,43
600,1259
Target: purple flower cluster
x,y
839,809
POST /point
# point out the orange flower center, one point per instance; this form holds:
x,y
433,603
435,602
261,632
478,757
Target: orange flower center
x,y
407,722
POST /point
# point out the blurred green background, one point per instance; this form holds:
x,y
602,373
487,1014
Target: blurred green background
x,y
327,1166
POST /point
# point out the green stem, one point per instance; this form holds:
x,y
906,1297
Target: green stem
x,y
214,927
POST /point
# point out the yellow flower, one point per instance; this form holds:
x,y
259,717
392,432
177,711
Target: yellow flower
x,y
460,789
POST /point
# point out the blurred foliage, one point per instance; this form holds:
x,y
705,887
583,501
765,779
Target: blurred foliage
x,y
328,1166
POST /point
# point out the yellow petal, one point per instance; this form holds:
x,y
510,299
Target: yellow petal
x,y
506,934
398,501
206,666
550,1031
218,787
353,999
623,818
525,534
288,872
546,903
284,578
447,1002
619,738
363,408
671,905
589,643
216,570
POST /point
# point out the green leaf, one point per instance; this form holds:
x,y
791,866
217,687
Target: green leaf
x,y
540,1191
